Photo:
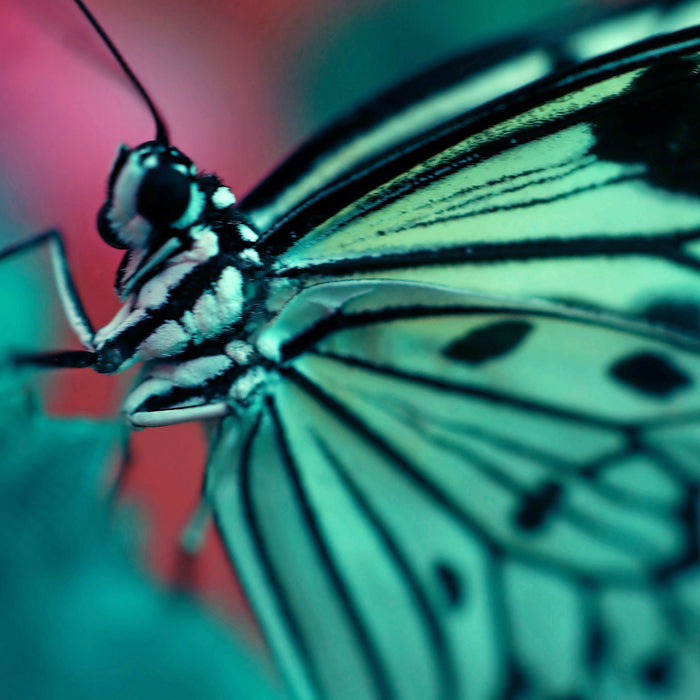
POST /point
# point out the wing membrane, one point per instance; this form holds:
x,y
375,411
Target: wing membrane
x,y
487,488
318,574
388,127
419,494
573,197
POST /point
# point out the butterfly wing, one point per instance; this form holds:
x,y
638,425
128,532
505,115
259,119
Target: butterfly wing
x,y
418,510
582,190
461,491
381,134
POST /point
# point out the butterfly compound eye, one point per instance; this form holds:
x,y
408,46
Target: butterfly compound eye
x,y
164,194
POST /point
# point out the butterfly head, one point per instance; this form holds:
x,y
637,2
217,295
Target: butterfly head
x,y
151,188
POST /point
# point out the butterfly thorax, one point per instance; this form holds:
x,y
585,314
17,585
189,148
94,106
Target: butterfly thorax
x,y
188,269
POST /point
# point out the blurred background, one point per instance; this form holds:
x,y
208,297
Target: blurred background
x,y
240,83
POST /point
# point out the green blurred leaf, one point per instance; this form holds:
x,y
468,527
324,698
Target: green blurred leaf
x,y
79,619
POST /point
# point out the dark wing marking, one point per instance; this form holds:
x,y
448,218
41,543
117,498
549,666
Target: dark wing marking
x,y
364,139
409,524
547,203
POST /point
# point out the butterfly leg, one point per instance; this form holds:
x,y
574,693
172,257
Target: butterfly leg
x,y
70,301
171,393
195,531
123,466
191,540
193,535
172,416
151,404
181,391
192,390
68,359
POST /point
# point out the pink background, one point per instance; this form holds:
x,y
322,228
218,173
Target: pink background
x,y
230,78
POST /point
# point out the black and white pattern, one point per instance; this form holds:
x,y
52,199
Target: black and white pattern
x,y
454,343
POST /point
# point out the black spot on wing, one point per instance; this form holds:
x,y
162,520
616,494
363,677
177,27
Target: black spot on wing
x,y
675,313
451,583
597,646
650,374
488,342
656,123
536,506
658,671
517,683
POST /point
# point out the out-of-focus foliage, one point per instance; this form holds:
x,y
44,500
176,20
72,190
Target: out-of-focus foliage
x,y
78,618
379,44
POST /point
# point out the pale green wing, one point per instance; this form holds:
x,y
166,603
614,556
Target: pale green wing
x,y
460,492
441,495
583,189
394,123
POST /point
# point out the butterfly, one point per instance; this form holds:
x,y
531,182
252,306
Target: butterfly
x,y
452,353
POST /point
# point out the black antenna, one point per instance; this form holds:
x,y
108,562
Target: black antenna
x,y
161,129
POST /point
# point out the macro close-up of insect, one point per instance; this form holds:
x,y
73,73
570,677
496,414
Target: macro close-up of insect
x,y
447,358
